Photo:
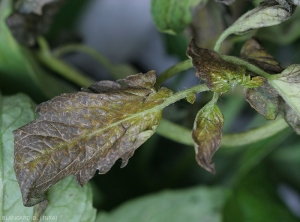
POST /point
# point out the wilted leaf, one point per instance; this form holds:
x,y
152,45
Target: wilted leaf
x,y
268,13
207,134
197,204
287,84
32,19
79,133
264,99
172,16
219,75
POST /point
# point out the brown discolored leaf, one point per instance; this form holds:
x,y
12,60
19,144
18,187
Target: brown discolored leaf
x,y
254,53
264,99
290,116
32,19
207,134
219,75
79,133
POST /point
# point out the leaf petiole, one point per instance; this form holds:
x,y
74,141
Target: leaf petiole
x,y
183,135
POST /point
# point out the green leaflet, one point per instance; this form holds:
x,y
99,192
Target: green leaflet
x,y
219,75
268,13
172,16
80,133
207,134
64,198
193,205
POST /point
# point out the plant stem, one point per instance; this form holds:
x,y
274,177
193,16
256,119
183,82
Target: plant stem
x,y
73,75
181,66
247,65
183,94
221,39
111,68
183,135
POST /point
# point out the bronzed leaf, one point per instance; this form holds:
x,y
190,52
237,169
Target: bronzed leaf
x,y
32,19
219,75
264,99
290,116
79,133
254,53
207,134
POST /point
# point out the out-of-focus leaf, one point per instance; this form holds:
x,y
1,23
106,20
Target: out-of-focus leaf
x,y
79,133
32,19
29,6
64,198
19,68
264,99
268,13
172,16
213,16
220,76
290,116
226,2
287,84
193,205
255,198
207,134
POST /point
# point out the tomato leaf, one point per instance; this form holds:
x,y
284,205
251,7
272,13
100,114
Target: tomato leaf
x,y
287,84
268,13
79,133
32,19
207,134
219,75
172,16
264,99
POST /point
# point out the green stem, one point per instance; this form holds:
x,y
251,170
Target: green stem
x,y
58,52
73,75
181,66
182,94
247,65
221,39
183,135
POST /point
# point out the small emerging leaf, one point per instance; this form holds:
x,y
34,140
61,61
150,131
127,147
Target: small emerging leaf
x,y
172,16
207,134
79,133
268,13
287,84
220,76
